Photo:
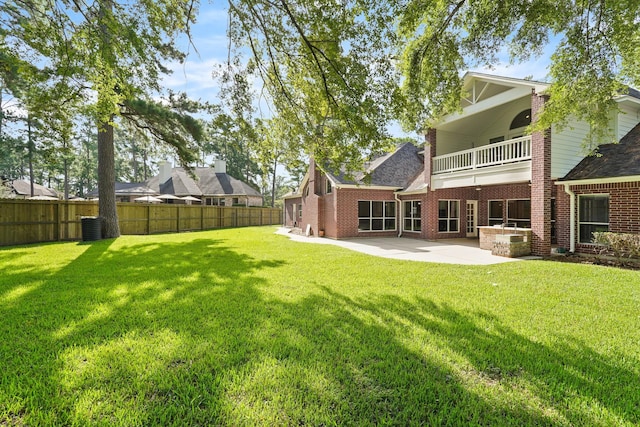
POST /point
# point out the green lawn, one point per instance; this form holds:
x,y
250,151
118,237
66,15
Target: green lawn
x,y
244,327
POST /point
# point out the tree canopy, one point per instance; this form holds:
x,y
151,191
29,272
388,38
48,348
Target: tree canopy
x,y
338,71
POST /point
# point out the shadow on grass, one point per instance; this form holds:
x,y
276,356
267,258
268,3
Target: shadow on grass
x,y
183,333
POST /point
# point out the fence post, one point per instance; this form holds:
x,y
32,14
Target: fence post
x,y
58,221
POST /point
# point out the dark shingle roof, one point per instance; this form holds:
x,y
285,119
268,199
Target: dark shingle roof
x,y
396,169
128,189
23,188
610,160
207,183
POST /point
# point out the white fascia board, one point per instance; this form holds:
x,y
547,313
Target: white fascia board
x,y
410,193
610,180
627,99
494,101
290,196
304,180
538,86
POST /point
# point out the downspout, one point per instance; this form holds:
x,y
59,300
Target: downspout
x,y
395,195
572,217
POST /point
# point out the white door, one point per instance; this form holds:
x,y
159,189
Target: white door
x,y
472,218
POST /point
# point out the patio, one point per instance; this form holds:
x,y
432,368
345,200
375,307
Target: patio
x,y
450,251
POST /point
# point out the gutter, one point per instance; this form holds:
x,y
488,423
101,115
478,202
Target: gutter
x,y
395,195
572,217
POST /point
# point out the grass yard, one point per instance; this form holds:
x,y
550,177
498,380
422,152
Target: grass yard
x,y
244,327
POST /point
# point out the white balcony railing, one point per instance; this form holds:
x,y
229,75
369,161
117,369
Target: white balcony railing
x,y
511,151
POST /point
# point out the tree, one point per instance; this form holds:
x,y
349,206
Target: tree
x,y
341,63
104,51
596,56
329,67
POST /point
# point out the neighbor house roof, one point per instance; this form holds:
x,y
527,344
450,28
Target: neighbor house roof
x,y
23,188
396,169
610,160
206,183
128,189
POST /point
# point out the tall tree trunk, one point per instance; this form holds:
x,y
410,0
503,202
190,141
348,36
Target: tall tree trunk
x,y
30,151
65,164
107,182
273,182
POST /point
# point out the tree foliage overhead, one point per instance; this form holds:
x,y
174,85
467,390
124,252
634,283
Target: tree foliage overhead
x,y
329,71
596,54
334,68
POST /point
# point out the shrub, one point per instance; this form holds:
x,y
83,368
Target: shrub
x,y
620,245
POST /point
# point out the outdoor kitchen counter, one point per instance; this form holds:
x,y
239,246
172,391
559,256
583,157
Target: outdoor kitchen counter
x,y
488,234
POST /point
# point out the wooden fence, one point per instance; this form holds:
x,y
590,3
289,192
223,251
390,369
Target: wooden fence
x,y
31,221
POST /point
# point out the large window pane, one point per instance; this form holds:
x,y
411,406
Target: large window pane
x,y
519,212
495,212
376,215
377,210
593,216
594,209
390,209
448,216
364,208
364,224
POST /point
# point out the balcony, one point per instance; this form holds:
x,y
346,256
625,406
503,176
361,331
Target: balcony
x,y
502,162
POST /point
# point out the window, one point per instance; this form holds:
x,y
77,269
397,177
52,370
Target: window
x,y
496,139
593,216
328,186
376,215
300,211
521,120
519,213
448,216
412,215
496,212
236,201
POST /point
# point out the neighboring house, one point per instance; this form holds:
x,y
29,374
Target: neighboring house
x,y
213,186
480,169
127,191
21,189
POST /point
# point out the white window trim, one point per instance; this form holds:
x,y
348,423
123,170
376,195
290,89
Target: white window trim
x,y
580,196
411,217
448,218
384,217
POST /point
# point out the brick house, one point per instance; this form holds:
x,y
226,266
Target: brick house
x,y
602,193
479,168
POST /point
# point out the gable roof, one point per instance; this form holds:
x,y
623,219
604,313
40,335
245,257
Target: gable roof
x,y
207,183
610,160
127,189
396,169
23,188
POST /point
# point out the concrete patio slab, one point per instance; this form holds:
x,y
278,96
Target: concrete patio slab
x,y
452,251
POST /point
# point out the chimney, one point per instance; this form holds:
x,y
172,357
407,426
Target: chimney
x,y
220,166
165,172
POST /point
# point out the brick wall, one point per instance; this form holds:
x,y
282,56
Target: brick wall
x,y
540,183
624,210
346,202
483,195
